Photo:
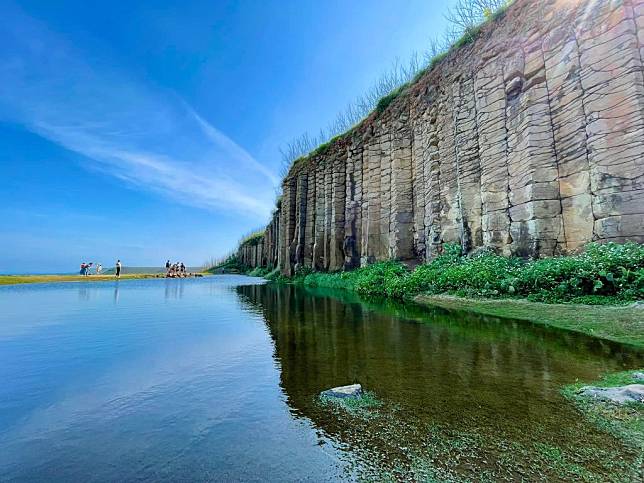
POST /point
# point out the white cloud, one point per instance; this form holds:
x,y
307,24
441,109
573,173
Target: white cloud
x,y
140,134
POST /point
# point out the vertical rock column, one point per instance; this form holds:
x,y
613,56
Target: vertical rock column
x,y
401,241
371,214
309,223
433,204
418,147
468,166
490,120
569,131
535,210
328,213
338,192
610,53
297,246
287,223
319,219
352,219
385,136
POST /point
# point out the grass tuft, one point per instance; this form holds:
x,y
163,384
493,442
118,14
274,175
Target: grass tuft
x,y
353,405
625,422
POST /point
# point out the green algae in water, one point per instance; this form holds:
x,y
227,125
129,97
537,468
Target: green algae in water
x,y
358,405
625,422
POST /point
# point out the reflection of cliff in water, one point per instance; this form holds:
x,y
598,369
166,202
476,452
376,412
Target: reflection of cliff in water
x,y
459,371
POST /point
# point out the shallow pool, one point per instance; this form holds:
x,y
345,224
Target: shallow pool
x,y
217,378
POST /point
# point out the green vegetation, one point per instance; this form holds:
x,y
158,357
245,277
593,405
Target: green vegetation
x,y
354,405
252,238
384,102
265,272
19,279
625,422
231,264
602,274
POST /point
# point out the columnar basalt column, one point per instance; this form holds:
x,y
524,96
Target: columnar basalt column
x,y
288,225
418,146
319,221
297,246
466,151
566,101
491,99
401,241
338,194
353,213
612,80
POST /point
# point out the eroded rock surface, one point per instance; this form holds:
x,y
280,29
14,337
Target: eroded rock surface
x,y
618,395
352,390
529,141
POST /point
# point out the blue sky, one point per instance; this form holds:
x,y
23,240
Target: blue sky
x,y
151,130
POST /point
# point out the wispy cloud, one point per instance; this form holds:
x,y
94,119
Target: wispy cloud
x,y
141,134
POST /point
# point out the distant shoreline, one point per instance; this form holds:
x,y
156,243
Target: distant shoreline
x,y
22,279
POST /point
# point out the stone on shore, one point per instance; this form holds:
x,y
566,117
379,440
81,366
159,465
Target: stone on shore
x,y
352,390
617,395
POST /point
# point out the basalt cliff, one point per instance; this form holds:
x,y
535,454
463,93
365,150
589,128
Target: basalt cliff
x,y
528,141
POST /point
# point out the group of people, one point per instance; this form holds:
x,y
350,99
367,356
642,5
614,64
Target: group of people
x,y
85,269
174,270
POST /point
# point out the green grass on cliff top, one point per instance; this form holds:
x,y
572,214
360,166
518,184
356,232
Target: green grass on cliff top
x,y
468,37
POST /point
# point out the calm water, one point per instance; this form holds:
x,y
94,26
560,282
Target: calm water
x,y
216,379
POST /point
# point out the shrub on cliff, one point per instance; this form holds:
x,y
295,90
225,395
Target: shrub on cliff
x,y
230,264
343,280
483,275
252,238
377,279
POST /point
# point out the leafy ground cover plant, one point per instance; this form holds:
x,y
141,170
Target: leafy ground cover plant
x,y
602,273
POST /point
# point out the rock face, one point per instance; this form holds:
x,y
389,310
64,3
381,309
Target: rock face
x,y
353,390
617,395
529,142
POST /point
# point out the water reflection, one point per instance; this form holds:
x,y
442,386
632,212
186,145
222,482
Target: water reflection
x,y
83,293
457,372
174,288
146,390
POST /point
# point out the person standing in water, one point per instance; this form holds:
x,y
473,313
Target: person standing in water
x,y
118,269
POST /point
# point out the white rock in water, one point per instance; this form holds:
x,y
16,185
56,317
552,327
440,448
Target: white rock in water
x,y
353,390
618,395
638,376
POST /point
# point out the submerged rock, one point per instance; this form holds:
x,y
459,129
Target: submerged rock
x,y
352,390
618,395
